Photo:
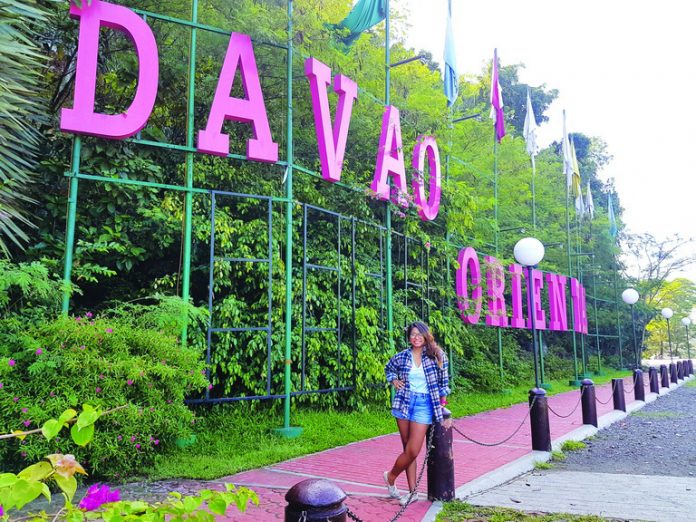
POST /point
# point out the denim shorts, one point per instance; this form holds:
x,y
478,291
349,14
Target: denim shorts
x,y
420,409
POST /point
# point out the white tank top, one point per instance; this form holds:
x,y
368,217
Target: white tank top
x,y
416,379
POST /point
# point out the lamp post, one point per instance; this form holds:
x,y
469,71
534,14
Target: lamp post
x,y
686,322
529,252
667,313
630,297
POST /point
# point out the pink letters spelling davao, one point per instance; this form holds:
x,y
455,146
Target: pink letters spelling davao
x,y
251,109
331,145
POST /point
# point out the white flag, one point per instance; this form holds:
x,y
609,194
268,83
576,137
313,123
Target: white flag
x,y
567,155
580,206
530,129
589,204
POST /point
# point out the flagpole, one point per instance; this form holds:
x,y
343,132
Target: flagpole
x,y
387,217
585,370
576,382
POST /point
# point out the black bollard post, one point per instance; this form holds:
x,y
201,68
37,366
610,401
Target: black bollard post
x,y
638,385
441,461
664,376
654,381
589,405
539,419
691,367
680,370
314,500
673,373
618,395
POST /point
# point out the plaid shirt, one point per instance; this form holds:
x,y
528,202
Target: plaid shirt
x,y
436,378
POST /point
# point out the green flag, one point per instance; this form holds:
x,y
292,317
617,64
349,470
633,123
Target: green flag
x,y
364,15
613,229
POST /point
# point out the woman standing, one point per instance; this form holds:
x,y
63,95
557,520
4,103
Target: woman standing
x,y
419,375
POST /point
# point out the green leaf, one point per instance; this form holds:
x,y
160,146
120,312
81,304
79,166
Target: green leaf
x,y
88,416
218,506
36,472
46,491
24,491
191,504
51,428
82,437
67,415
7,479
66,485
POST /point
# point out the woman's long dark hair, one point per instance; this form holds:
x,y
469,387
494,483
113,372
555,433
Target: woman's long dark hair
x,y
432,349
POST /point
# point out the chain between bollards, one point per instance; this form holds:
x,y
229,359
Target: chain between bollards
x,y
613,387
490,445
582,390
429,446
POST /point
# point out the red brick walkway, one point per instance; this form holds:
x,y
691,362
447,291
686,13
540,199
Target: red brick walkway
x,y
357,468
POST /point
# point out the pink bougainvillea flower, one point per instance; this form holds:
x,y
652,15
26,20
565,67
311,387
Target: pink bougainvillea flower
x,y
39,351
98,495
16,399
120,437
1,385
78,319
98,389
24,410
109,330
137,446
2,512
156,442
133,438
129,382
82,347
210,386
27,423
101,375
88,315
11,362
66,465
24,454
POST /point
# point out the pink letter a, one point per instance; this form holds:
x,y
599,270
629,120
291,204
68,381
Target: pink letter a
x,y
81,118
390,156
240,53
331,148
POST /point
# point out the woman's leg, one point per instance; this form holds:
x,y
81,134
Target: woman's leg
x,y
404,430
416,436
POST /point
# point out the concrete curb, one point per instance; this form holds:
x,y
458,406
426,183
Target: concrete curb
x,y
526,463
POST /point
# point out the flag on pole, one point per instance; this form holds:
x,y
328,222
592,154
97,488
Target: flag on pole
x,y
451,80
364,15
497,100
613,230
567,155
530,130
576,182
589,204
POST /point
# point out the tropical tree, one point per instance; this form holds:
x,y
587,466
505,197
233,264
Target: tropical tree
x,y
21,114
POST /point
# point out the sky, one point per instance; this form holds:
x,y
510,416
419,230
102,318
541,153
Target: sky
x,y
624,69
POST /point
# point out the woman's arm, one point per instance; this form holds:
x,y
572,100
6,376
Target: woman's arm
x,y
443,379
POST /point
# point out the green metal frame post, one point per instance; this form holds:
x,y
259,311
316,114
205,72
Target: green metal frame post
x,y
188,205
287,430
70,225
618,321
495,241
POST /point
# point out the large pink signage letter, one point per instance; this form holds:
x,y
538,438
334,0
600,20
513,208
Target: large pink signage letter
x,y
240,54
577,293
332,147
390,156
558,314
427,208
81,118
495,283
517,319
469,270
535,282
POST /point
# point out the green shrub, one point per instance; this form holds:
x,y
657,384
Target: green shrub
x,y
573,445
108,362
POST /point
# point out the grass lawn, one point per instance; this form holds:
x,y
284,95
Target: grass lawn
x,y
461,512
232,438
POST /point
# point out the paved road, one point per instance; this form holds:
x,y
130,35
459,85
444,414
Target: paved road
x,y
641,468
